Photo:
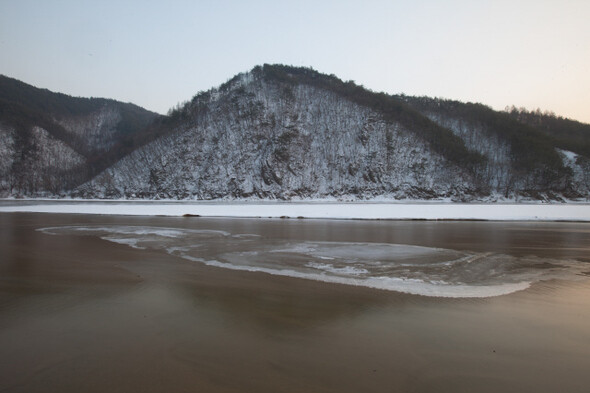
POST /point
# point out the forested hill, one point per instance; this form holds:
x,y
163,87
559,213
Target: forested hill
x,y
534,136
281,132
565,133
51,142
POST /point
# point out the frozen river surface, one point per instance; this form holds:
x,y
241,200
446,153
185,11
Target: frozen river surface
x,y
142,303
357,210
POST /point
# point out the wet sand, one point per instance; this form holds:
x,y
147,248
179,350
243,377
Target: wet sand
x,y
78,313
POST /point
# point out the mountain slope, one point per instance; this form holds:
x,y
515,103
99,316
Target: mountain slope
x,y
51,142
280,132
565,133
522,157
293,133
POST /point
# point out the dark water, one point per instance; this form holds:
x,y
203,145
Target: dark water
x,y
99,303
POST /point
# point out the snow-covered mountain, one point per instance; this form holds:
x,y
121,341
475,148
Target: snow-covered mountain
x,y
51,142
280,132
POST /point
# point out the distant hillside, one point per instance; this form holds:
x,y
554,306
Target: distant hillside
x,y
282,132
51,142
564,133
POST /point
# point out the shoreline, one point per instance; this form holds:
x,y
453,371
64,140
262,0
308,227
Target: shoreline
x,y
375,210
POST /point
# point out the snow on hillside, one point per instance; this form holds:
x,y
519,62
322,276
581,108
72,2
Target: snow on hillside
x,y
580,167
6,156
96,130
266,140
47,163
477,138
285,133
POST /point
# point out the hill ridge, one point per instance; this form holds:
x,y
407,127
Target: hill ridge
x,y
255,135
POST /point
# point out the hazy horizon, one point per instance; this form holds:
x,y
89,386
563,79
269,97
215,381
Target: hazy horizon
x,y
156,54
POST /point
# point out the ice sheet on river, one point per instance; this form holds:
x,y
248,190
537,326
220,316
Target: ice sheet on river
x,y
398,267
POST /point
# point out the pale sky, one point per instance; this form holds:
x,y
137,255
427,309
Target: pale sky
x,y
155,54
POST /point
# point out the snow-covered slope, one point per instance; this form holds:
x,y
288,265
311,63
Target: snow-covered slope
x,y
96,131
51,142
521,160
6,157
286,133
262,139
48,164
280,132
580,167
